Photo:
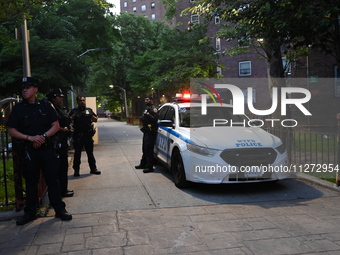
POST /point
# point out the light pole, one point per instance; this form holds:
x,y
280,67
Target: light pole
x,y
87,51
125,99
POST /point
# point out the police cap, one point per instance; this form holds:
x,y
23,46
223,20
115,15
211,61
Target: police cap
x,y
57,92
29,81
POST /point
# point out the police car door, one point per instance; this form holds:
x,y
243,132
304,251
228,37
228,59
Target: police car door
x,y
162,143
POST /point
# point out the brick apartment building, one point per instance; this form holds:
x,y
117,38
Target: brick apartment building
x,y
325,101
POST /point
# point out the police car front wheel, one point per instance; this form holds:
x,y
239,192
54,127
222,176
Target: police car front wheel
x,y
177,169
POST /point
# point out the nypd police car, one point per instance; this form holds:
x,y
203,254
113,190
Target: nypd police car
x,y
216,147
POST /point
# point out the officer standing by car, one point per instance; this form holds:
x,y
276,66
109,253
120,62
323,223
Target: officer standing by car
x,y
149,129
56,98
33,122
83,118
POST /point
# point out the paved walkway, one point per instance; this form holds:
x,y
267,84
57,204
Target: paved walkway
x,y
111,216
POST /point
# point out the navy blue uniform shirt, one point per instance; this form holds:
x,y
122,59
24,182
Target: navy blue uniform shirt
x,y
32,119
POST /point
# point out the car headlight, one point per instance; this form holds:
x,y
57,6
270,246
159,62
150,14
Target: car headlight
x,y
201,150
281,148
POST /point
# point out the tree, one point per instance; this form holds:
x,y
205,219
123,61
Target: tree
x,y
58,36
150,55
16,10
181,55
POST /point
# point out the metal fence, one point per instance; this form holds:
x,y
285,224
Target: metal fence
x,y
7,174
313,153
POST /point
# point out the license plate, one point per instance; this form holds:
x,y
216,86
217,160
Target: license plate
x,y
253,171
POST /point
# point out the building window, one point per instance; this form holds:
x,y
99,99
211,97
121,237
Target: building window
x,y
153,5
337,81
195,19
218,44
125,4
218,70
134,9
153,16
244,68
133,1
286,66
245,93
217,20
143,8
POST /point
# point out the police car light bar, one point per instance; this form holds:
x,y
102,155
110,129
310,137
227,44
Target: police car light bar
x,y
185,97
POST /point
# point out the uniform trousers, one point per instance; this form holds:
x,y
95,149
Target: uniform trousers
x,y
80,141
149,140
44,159
63,165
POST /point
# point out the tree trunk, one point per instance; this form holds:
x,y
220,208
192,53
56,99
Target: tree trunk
x,y
275,71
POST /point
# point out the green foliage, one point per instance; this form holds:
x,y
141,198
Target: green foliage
x,y
15,10
9,182
148,55
278,24
59,33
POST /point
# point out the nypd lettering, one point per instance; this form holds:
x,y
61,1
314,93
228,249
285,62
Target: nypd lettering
x,y
162,143
248,143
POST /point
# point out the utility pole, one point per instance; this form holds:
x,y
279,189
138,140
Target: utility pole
x,y
23,35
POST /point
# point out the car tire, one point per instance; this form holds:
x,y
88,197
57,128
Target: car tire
x,y
177,169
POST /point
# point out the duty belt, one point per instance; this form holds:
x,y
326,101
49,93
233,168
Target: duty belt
x,y
80,134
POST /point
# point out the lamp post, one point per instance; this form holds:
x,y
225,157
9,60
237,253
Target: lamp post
x,y
87,51
125,99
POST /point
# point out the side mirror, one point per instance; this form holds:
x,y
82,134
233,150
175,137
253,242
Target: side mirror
x,y
255,123
166,123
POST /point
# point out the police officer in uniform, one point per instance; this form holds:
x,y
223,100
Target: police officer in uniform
x,y
34,122
149,129
56,98
83,118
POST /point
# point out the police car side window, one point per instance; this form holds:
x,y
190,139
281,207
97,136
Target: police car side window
x,y
170,115
162,112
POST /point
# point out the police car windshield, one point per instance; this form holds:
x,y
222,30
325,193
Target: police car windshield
x,y
216,115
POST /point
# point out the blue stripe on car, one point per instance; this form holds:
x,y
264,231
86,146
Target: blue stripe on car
x,y
176,134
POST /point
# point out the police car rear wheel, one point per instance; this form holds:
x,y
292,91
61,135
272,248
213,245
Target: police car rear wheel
x,y
177,169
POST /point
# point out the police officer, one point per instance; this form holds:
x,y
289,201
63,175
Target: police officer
x,y
34,122
83,118
149,129
56,98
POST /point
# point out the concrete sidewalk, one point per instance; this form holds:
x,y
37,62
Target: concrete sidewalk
x,y
115,213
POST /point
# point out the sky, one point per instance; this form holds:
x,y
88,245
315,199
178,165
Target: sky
x,y
117,4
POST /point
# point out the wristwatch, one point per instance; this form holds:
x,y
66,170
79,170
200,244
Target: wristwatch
x,y
45,136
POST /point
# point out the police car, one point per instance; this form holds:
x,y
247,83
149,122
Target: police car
x,y
216,147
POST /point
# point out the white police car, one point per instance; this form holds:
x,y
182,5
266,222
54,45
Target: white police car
x,y
216,147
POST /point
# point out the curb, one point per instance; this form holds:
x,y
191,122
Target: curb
x,y
316,181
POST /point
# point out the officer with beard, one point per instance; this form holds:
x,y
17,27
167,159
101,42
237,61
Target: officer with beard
x,y
149,129
83,118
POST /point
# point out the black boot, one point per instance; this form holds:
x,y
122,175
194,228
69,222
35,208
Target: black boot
x,y
25,219
148,169
95,171
140,166
67,193
63,215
